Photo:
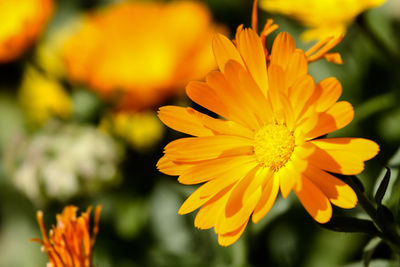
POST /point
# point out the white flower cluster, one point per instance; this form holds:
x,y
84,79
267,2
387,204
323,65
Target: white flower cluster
x,y
63,161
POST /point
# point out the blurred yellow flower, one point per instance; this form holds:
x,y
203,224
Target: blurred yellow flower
x,y
21,23
141,129
43,97
70,242
142,52
323,17
269,138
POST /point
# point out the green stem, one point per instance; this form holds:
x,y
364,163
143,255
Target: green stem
x,y
390,237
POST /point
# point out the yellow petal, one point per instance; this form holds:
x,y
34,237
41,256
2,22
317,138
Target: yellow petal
x,y
193,202
287,177
224,50
297,67
226,168
267,200
278,97
290,175
338,192
209,191
307,120
230,238
183,120
225,127
288,114
206,216
277,79
190,121
205,96
247,94
194,149
300,93
338,162
226,179
225,224
167,166
342,155
241,202
338,116
331,89
230,96
276,88
365,149
314,201
252,51
282,50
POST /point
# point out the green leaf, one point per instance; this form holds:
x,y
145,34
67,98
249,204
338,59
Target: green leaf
x,y
386,219
384,213
370,249
394,162
351,225
392,195
357,181
380,193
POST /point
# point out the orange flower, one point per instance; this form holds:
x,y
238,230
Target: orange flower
x,y
141,53
69,243
269,139
21,23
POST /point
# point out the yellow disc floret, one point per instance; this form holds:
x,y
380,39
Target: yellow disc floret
x,y
273,145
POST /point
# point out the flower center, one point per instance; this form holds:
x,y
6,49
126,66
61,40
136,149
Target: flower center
x,y
273,145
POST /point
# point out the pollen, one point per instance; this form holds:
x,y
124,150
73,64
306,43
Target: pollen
x,y
273,145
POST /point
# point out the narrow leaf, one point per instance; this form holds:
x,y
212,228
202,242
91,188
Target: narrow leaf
x,y
380,193
351,225
386,218
370,249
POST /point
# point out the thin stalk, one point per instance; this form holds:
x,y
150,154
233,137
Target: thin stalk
x,y
363,201
391,238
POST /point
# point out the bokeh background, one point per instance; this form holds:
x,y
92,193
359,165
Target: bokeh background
x,y
78,125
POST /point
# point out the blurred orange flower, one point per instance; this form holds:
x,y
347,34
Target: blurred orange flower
x,y
270,139
139,53
69,243
21,23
